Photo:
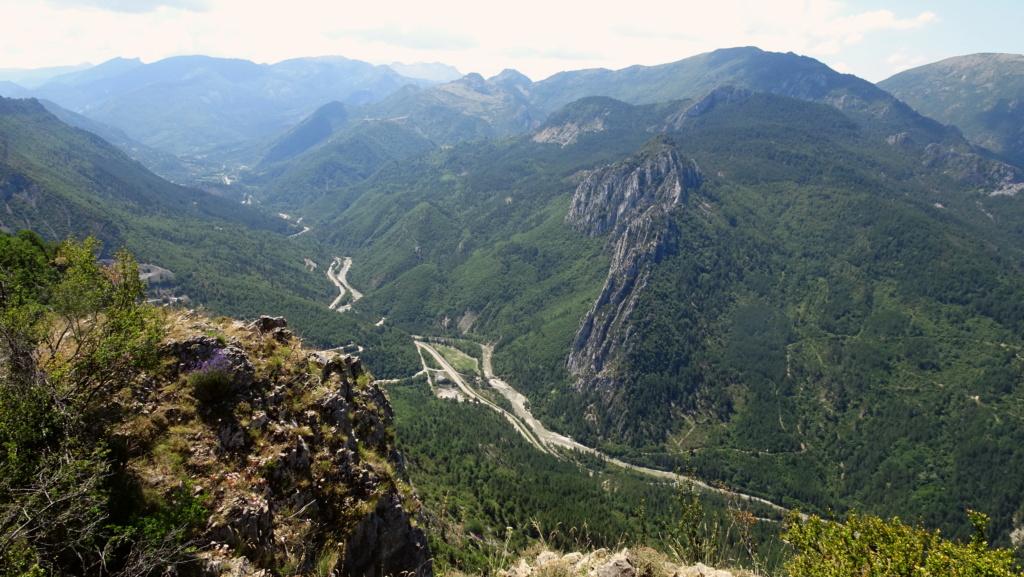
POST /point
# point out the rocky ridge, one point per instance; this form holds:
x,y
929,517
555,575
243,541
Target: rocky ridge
x,y
717,96
631,203
289,452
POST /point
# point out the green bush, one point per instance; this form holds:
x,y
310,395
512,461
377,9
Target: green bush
x,y
868,546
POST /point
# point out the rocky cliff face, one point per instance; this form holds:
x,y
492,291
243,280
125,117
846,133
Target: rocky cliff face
x,y
290,454
631,204
720,95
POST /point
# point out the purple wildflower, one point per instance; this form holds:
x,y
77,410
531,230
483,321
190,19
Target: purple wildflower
x,y
217,364
211,379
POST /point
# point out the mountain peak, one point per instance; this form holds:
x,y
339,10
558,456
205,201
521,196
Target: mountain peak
x,y
475,82
980,94
512,77
430,71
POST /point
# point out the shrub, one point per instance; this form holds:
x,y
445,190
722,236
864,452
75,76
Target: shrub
x,y
872,547
210,380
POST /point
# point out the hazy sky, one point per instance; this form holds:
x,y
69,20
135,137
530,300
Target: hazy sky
x,y
537,37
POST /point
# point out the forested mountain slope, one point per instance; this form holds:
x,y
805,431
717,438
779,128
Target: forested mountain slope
x,y
234,259
67,181
181,170
294,173
746,67
980,94
824,309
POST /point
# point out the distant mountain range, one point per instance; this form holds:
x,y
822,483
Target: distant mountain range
x,y
472,108
191,104
34,77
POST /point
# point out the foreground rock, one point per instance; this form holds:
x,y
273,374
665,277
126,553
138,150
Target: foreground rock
x,y
289,453
639,562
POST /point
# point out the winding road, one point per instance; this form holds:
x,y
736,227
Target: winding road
x,y
471,394
545,440
339,279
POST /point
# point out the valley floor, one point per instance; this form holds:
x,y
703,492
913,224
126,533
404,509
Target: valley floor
x,y
537,434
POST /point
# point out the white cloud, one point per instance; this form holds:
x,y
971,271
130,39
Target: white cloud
x,y
132,6
416,37
866,22
904,59
841,67
828,47
557,53
538,37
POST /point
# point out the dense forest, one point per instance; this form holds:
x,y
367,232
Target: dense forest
x,y
826,293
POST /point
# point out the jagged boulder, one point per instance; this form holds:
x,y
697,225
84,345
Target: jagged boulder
x,y
635,562
546,558
702,570
197,352
276,327
243,521
618,566
522,569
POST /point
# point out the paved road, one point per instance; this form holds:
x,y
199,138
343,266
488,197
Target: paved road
x,y
340,280
545,440
471,394
551,438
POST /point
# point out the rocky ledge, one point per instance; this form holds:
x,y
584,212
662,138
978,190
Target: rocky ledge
x,y
287,453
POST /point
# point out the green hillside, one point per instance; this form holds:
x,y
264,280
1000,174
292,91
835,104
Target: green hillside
x,y
337,160
831,320
235,259
980,94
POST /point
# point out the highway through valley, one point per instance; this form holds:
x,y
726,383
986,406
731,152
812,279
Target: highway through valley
x,y
520,418
546,440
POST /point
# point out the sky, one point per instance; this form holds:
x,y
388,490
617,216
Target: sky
x,y
537,37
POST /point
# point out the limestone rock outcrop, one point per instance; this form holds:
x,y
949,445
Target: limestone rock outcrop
x,y
603,563
630,203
